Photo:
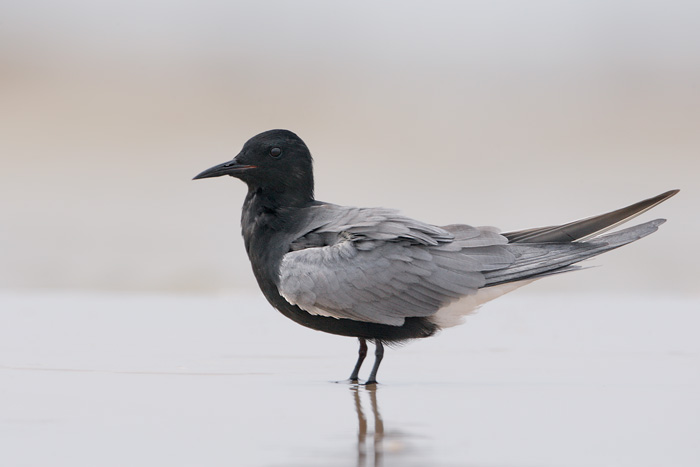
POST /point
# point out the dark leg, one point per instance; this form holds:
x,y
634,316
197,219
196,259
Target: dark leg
x,y
362,353
378,355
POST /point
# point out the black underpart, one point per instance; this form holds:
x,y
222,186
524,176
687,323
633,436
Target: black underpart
x,y
413,328
264,227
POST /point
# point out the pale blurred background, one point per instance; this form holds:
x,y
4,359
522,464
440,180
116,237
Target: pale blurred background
x,y
131,328
507,113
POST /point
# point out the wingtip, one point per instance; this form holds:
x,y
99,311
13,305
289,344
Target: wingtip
x,y
669,193
631,234
590,227
657,222
658,199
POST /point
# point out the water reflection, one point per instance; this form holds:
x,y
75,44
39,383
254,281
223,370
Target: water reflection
x,y
374,443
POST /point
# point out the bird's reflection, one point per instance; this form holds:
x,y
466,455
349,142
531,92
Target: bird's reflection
x,y
373,445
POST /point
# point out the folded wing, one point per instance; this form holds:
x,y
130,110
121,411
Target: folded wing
x,y
376,266
587,228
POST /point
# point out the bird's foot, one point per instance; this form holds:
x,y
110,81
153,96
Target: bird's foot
x,y
357,382
348,381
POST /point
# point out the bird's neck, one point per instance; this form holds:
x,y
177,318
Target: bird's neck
x,y
268,227
277,199
268,219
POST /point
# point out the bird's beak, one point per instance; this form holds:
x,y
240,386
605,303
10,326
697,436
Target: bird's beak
x,y
232,168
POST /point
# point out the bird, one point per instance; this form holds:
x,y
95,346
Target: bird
x,y
376,275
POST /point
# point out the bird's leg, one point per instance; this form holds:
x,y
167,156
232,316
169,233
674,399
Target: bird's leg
x,y
362,353
378,355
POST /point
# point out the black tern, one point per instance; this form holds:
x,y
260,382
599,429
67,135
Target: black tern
x,y
373,274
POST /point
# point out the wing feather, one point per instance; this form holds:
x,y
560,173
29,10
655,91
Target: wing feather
x,y
377,266
587,228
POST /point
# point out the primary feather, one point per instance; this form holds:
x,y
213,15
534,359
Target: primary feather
x,y
587,228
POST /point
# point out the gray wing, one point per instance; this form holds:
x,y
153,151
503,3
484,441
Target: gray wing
x,y
377,266
587,228
541,259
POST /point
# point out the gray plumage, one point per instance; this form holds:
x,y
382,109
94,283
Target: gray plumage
x,y
377,266
374,265
587,228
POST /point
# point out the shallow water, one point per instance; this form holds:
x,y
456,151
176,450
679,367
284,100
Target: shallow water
x,y
169,380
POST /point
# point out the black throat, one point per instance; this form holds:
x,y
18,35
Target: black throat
x,y
265,224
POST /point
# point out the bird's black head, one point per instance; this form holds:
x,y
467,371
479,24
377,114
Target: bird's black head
x,y
276,163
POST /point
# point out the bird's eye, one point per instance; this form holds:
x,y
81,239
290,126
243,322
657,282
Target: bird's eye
x,y
275,152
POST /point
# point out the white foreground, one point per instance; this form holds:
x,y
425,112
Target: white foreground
x,y
531,380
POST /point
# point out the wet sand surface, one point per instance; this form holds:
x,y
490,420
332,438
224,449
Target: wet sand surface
x,y
532,380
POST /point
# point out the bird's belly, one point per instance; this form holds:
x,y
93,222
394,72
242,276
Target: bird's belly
x,y
454,313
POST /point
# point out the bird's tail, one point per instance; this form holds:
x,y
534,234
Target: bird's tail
x,y
590,227
535,260
556,249
553,250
